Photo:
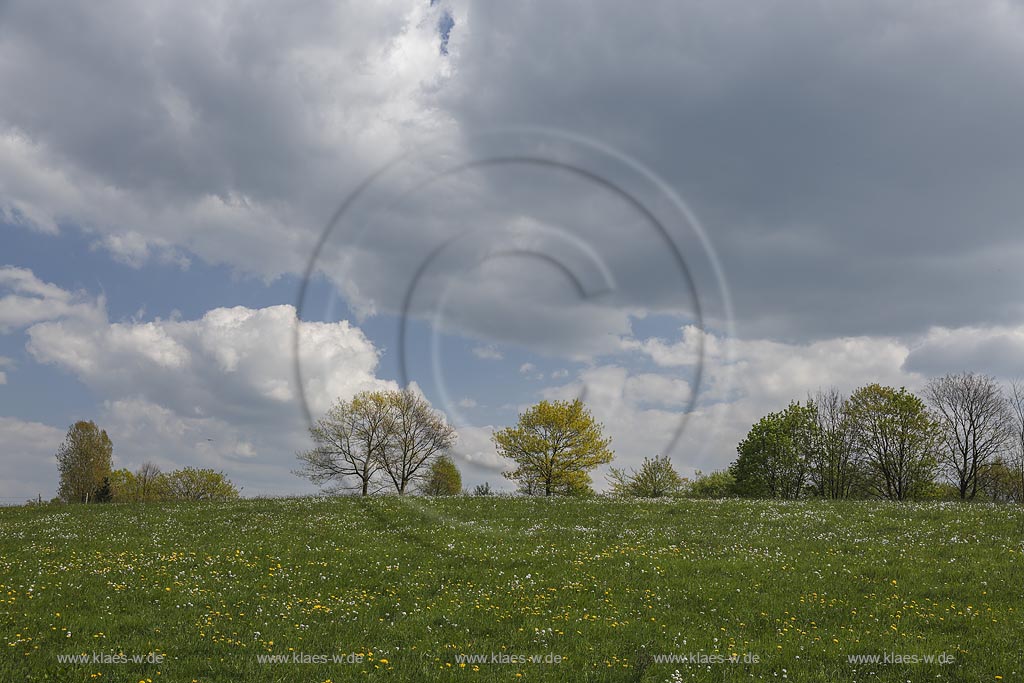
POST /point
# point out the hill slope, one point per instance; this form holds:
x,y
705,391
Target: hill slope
x,y
407,590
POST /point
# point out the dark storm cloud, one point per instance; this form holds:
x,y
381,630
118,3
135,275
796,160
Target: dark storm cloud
x,y
857,164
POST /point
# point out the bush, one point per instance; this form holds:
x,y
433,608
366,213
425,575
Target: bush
x,y
718,484
656,478
934,490
443,478
197,484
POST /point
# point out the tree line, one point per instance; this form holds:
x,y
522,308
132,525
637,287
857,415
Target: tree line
x,y
963,439
85,467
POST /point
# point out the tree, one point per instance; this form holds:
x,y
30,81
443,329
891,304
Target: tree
x,y
975,424
124,487
194,484
84,461
149,482
833,471
417,435
443,478
145,484
483,489
895,440
717,484
1016,454
656,478
554,446
999,483
774,459
350,443
575,484
103,493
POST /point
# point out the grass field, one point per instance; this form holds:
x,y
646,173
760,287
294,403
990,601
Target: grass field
x,y
405,589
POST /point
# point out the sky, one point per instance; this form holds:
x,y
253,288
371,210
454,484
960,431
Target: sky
x,y
216,220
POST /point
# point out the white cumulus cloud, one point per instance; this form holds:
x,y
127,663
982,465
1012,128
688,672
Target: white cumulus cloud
x,y
26,299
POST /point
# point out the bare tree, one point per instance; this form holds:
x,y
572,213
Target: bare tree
x,y
350,441
1016,459
418,434
975,422
833,467
147,481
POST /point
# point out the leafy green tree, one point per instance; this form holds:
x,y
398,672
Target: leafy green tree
x,y
84,461
574,484
896,441
717,484
554,445
145,484
577,485
123,486
937,490
999,481
443,478
194,484
655,478
775,457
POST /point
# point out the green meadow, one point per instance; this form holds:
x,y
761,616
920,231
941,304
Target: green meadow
x,y
511,589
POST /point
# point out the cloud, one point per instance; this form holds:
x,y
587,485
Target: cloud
x,y
4,362
30,468
488,352
232,360
998,351
804,136
686,351
207,133
529,370
25,299
468,403
478,460
218,391
806,142
772,369
654,389
226,135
